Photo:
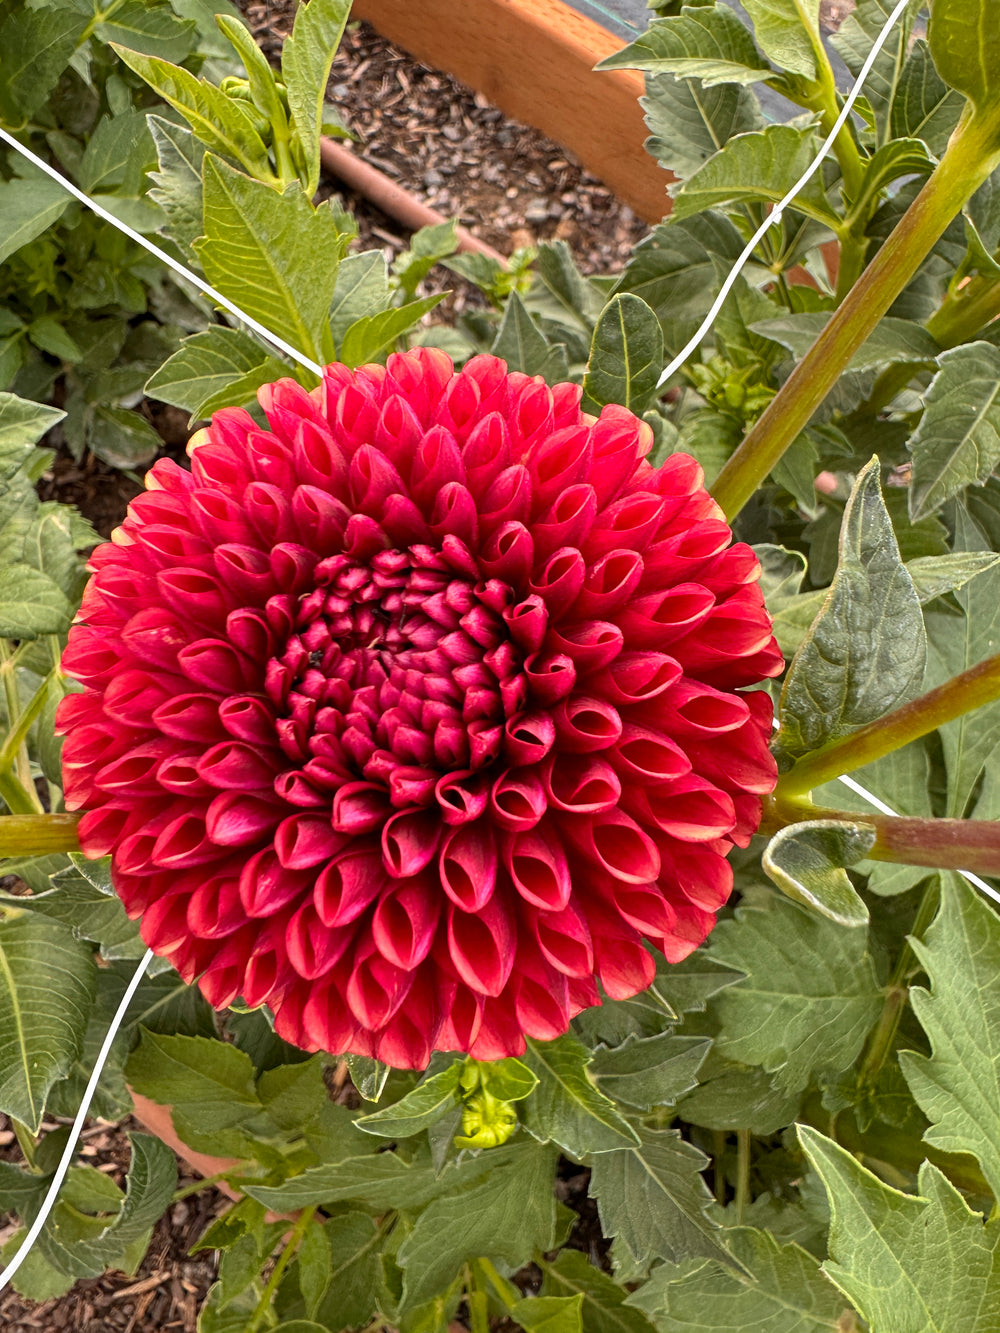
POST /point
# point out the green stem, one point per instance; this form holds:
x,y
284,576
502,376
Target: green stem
x,y
18,733
196,1186
742,1174
38,835
284,1259
962,694
718,1179
970,158
939,844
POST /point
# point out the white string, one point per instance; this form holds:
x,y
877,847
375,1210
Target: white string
x,y
74,1134
162,255
774,217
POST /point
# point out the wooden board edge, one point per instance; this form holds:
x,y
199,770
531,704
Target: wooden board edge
x,y
535,60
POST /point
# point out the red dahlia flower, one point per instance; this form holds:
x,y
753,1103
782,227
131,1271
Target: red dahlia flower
x,y
418,713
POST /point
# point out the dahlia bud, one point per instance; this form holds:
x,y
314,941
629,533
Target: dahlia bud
x,y
421,713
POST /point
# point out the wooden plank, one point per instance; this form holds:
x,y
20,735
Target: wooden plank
x,y
535,60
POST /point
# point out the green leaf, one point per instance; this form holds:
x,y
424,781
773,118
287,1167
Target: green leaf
x,y
177,181
964,38
117,154
626,355
674,268
758,167
370,335
362,289
368,1076
505,1219
935,575
650,1071
864,655
549,1314
567,1107
891,341
22,424
787,32
123,438
150,1185
48,335
37,45
787,1292
28,206
214,117
924,107
731,1096
957,443
419,1109
206,1080
305,67
807,862
47,981
574,295
31,604
908,1265
508,1080
689,123
652,1200
273,254
381,1181
958,1085
603,1308
353,1271
519,341
809,996
854,40
153,31
428,247
709,43
218,368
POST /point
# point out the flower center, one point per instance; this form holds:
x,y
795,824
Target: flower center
x,y
396,670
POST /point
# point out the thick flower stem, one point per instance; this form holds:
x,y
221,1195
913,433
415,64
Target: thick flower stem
x,y
971,156
38,835
962,694
939,844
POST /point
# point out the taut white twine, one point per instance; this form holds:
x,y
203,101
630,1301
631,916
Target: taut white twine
x,y
162,255
774,217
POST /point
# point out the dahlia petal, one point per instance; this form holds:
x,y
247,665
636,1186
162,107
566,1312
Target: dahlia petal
x,y
560,580
499,1034
214,909
359,807
246,571
156,637
462,796
537,866
549,676
462,1020
184,842
320,519
636,677
609,584
237,819
655,619
236,766
467,865
645,907
564,940
216,665
130,698
648,755
541,1003
410,842
584,723
581,784
591,644
528,738
329,1023
558,462
190,717
517,800
302,841
690,808
311,947
135,771
178,773
615,842
345,887
405,922
375,989
626,524
508,554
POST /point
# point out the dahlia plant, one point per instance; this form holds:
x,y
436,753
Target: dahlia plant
x,y
424,725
